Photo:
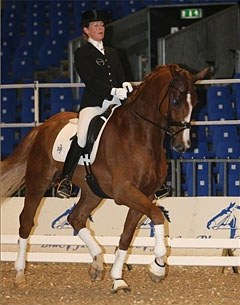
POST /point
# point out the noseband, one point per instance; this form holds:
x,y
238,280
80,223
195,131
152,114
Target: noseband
x,y
170,122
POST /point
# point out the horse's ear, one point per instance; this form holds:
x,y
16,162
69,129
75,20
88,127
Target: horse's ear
x,y
201,74
173,68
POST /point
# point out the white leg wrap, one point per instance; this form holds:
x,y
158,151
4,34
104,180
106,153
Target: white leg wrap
x,y
20,262
157,270
90,242
160,248
116,272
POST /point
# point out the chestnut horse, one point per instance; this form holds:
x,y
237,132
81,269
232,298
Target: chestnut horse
x,y
130,166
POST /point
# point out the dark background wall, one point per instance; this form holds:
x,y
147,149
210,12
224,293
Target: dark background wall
x,y
213,40
137,36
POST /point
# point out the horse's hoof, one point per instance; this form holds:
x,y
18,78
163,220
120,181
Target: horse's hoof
x,y
95,274
96,269
155,278
120,284
20,280
156,272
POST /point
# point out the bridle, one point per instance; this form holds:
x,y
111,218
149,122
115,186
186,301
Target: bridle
x,y
169,122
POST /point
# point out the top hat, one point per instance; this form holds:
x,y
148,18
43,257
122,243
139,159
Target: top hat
x,y
93,15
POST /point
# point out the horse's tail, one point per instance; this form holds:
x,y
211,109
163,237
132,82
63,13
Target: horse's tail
x,y
13,168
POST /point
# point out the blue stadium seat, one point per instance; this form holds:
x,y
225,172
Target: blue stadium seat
x,y
11,23
24,131
129,7
23,64
219,99
61,22
228,176
198,150
197,180
223,133
198,134
229,149
236,96
61,100
234,184
45,109
51,53
27,105
8,141
6,62
8,106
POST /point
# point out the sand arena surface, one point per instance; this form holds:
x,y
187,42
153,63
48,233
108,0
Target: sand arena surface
x,y
62,284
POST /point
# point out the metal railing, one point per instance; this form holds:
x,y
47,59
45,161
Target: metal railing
x,y
216,182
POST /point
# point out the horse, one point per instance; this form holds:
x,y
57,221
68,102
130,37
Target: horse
x,y
130,166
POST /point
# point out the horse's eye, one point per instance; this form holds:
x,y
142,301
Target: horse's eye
x,y
175,101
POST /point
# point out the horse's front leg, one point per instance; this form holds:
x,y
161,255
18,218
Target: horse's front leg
x,y
157,268
131,222
139,202
20,262
78,218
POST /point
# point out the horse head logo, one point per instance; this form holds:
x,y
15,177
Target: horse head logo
x,y
226,219
61,222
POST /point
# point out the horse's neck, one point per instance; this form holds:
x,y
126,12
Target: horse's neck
x,y
143,131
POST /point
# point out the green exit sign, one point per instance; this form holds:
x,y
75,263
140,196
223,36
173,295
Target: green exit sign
x,y
191,13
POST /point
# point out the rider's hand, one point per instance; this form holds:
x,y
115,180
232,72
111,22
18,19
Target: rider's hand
x,y
128,86
121,93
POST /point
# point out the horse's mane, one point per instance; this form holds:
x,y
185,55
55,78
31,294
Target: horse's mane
x,y
153,74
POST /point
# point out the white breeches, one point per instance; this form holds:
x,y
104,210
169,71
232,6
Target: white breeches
x,y
86,115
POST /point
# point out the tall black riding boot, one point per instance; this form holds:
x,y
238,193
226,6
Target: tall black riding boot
x,y
64,188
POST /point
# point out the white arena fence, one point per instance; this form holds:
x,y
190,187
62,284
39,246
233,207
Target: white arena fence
x,y
189,242
173,243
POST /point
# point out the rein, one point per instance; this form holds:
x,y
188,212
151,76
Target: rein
x,y
182,124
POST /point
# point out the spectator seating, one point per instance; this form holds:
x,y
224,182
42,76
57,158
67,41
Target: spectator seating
x,y
59,20
223,133
8,106
51,53
23,64
198,181
229,149
61,99
228,176
27,105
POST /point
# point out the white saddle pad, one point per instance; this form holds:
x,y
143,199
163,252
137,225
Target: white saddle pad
x,y
63,142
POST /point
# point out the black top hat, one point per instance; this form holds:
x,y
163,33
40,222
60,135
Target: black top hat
x,y
93,15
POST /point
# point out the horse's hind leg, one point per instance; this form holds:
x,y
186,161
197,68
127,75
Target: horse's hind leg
x,y
131,222
35,190
78,218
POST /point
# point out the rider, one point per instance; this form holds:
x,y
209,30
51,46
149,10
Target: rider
x,y
99,67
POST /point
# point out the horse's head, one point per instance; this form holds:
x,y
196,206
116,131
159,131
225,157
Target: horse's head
x,y
166,99
178,104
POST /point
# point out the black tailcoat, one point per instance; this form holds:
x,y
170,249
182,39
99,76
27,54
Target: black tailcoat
x,y
99,72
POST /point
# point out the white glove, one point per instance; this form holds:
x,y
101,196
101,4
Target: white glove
x,y
128,86
121,93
